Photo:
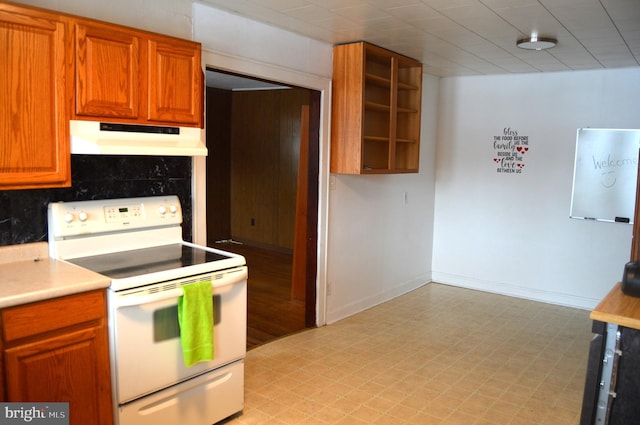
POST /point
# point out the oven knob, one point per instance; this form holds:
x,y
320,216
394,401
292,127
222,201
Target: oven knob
x,y
68,217
162,210
83,216
173,209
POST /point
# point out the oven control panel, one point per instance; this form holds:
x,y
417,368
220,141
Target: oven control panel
x,y
123,213
112,215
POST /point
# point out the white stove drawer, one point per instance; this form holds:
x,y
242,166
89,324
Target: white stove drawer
x,y
203,400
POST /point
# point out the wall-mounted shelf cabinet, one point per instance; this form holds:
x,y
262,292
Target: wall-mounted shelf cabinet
x,y
375,111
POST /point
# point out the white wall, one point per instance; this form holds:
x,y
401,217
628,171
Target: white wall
x,y
170,17
511,233
229,34
380,247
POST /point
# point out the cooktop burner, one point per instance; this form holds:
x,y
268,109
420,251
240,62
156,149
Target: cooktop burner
x,y
123,264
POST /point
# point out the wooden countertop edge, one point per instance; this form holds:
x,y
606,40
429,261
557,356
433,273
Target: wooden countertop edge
x,y
618,308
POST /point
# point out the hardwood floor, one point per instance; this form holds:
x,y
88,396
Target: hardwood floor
x,y
271,313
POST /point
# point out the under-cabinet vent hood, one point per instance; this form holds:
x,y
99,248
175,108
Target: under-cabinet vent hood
x,y
99,138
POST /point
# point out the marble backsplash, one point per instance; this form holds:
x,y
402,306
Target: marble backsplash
x,y
23,213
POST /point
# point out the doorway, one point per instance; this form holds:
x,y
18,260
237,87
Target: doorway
x,y
262,195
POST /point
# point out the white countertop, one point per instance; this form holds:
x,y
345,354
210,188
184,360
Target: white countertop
x,y
27,274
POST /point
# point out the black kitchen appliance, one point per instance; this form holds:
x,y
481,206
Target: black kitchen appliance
x,y
631,279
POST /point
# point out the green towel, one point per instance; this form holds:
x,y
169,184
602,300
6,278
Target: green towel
x,y
195,317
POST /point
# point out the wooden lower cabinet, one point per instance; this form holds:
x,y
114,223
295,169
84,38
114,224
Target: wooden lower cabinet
x,y
57,351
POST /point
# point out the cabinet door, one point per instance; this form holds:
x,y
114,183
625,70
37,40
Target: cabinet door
x,y
175,82
107,65
63,368
34,113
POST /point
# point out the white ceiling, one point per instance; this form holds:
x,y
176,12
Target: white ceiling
x,y
467,37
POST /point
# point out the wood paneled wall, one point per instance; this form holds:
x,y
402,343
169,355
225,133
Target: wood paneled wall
x,y
256,157
265,134
218,165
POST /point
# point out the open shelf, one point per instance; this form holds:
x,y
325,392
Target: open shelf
x,y
376,110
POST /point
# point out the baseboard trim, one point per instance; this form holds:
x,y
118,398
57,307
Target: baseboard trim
x,y
516,291
376,299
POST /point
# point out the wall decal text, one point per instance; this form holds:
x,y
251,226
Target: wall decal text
x,y
509,151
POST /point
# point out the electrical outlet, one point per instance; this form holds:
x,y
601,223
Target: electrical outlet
x,y
329,288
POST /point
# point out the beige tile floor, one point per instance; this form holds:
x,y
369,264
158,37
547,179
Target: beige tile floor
x,y
438,355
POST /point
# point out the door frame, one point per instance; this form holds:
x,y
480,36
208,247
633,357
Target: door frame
x,y
313,172
321,85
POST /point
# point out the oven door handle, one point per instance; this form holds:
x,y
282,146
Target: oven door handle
x,y
222,280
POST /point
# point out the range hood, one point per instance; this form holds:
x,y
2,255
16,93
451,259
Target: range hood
x,y
99,138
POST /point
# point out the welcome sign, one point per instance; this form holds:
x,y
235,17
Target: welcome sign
x,y
605,174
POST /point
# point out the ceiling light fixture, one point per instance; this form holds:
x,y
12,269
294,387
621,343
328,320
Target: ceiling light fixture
x,y
536,43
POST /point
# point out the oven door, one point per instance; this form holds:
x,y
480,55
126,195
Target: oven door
x,y
144,333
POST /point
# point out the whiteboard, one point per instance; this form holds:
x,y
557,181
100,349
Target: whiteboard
x,y
605,174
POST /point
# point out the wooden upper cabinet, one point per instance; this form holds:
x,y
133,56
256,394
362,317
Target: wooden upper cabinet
x,y
175,82
107,63
376,108
133,76
56,67
34,103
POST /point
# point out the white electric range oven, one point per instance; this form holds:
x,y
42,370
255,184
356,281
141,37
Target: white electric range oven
x,y
137,243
